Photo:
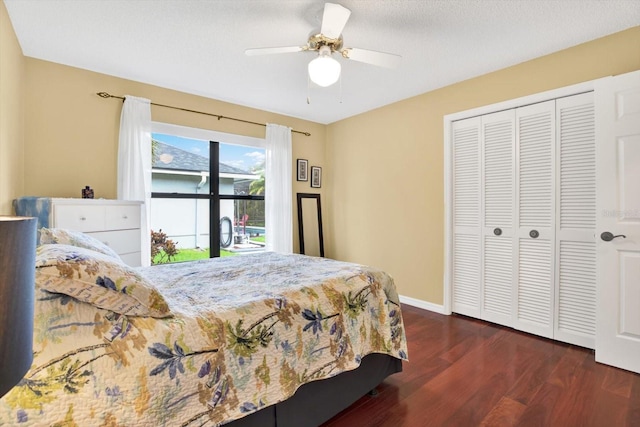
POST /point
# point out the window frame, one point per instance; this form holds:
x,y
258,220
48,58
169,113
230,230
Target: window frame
x,y
215,138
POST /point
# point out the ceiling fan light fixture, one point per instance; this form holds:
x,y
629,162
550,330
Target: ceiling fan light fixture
x,y
324,70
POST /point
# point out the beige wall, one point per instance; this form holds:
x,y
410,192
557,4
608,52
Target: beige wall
x,y
386,167
12,84
71,134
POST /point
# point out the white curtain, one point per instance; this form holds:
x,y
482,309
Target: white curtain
x,y
278,193
134,162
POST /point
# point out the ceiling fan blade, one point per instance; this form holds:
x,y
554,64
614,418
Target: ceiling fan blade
x,y
381,59
334,19
271,50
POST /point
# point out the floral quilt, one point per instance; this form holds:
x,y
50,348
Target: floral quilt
x,y
245,333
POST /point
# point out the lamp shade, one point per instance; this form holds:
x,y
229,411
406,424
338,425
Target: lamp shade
x,y
324,70
17,286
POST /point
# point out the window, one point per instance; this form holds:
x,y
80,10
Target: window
x,y
190,221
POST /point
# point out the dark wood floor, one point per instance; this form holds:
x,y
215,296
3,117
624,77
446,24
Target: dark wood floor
x,y
466,372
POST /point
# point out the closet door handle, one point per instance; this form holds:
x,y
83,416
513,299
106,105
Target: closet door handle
x,y
534,234
607,237
497,231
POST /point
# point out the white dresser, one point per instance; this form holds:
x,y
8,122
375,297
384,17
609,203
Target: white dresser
x,y
114,222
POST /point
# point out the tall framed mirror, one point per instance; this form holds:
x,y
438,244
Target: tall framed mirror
x,y
310,224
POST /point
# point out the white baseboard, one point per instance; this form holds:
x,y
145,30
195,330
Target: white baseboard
x,y
425,305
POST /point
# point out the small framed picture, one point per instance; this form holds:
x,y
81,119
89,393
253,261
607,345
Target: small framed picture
x,y
303,167
316,176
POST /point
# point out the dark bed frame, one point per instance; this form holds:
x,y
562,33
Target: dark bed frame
x,y
318,401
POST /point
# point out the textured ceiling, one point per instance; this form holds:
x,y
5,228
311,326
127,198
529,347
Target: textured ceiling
x,y
197,46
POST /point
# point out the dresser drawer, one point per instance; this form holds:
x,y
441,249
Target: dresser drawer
x,y
122,217
121,241
79,217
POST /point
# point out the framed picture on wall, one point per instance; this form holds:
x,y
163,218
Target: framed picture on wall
x,y
316,176
303,167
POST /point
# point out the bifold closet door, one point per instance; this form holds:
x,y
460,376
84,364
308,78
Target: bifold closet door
x,y
524,218
498,190
575,291
466,201
483,205
535,219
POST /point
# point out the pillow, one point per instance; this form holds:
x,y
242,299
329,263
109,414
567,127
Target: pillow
x,y
75,238
97,279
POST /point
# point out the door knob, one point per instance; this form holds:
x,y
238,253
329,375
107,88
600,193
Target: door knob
x,y
534,234
607,237
497,231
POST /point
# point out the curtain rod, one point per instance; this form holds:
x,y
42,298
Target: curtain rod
x,y
107,95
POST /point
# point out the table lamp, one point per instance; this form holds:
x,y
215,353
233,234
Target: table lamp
x,y
17,288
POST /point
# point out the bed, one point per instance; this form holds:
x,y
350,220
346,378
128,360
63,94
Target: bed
x,y
256,340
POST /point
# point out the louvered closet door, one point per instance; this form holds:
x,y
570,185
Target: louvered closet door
x,y
498,155
466,217
535,213
575,299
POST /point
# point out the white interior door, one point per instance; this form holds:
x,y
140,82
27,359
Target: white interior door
x,y
535,213
467,256
575,290
617,102
498,155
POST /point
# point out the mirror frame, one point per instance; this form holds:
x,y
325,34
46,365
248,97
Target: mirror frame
x,y
301,226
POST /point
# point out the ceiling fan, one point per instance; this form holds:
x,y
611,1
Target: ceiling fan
x,y
325,70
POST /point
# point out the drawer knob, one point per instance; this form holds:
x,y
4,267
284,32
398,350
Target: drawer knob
x,y
82,218
125,217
